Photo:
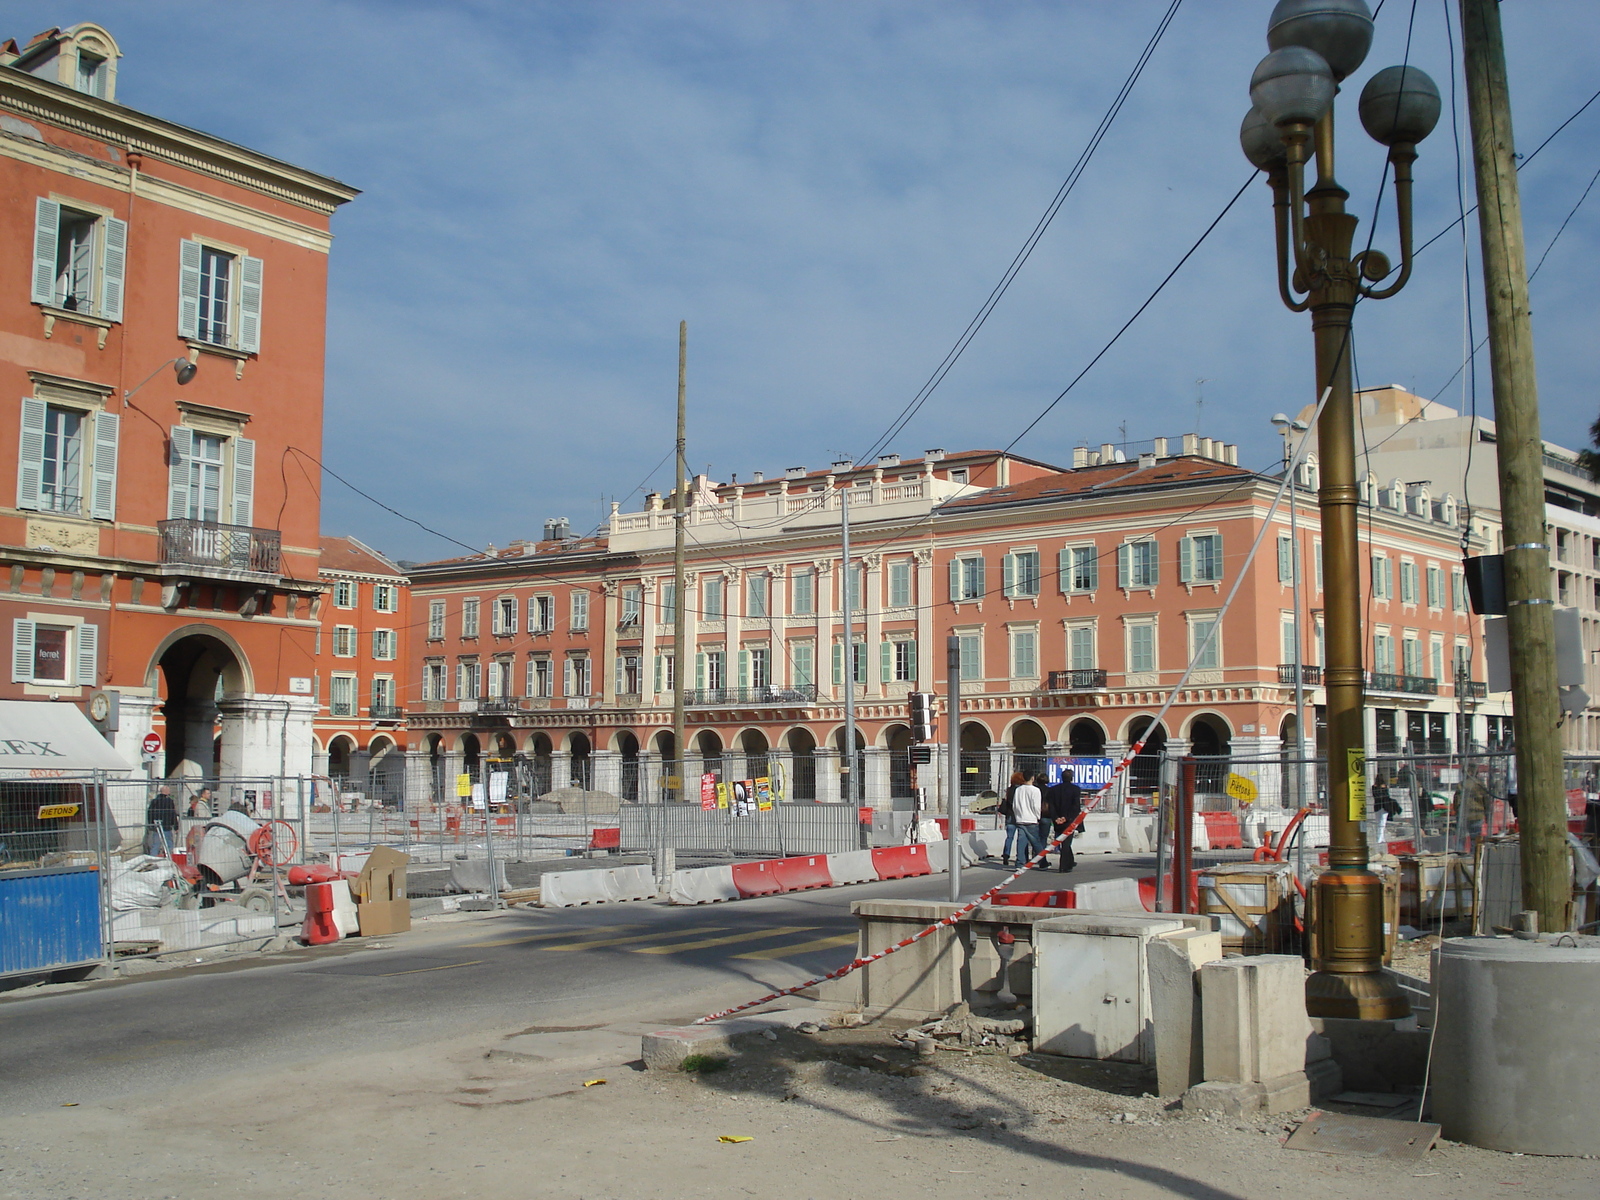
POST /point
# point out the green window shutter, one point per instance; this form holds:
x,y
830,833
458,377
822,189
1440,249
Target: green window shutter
x,y
885,662
1285,560
699,672
1091,570
912,651
744,668
838,664
955,563
30,458
657,674
1008,575
1064,570
1186,560
1124,562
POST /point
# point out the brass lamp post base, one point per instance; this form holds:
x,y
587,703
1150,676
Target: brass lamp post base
x,y
1349,981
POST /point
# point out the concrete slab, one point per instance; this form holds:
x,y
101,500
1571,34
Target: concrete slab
x,y
1283,1094
1174,962
1254,1017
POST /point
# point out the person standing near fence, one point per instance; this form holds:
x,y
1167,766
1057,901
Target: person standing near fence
x,y
161,822
1006,810
1063,801
1026,802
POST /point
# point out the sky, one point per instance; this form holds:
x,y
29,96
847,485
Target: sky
x,y
826,192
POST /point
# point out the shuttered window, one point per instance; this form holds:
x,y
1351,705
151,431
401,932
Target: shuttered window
x,y
219,297
79,260
61,654
1137,565
1080,569
1019,574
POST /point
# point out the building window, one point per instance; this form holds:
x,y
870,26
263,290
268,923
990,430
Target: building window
x,y
1205,652
61,654
669,603
385,598
79,260
219,297
627,674
900,585
970,655
541,614
505,614
759,668
61,470
755,596
1285,558
541,677
344,641
1458,591
1081,648
1316,561
1142,647
1200,558
342,693
858,662
93,74
1137,564
709,671
580,612
1410,656
1382,578
344,594
433,684
436,620
468,677
1408,583
383,644
857,576
966,578
803,663
54,473
805,593
500,684
1383,653
1463,660
469,617
711,598
1019,574
201,485
1024,653
383,693
666,673
1080,569
578,679
1435,587
632,604
903,665
1286,630
958,475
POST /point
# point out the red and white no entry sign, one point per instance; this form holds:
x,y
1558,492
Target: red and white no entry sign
x,y
151,743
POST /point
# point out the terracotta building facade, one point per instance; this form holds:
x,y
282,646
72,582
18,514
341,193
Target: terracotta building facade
x,y
161,360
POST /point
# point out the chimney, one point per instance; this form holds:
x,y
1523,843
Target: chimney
x,y
1146,461
1080,457
1191,443
794,473
758,477
1161,447
841,465
933,455
1108,452
888,460
1230,454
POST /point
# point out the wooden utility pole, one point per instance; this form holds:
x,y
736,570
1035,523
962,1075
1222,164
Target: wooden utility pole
x,y
1519,451
681,653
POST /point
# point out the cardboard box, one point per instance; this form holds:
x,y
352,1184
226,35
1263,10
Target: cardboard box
x,y
380,893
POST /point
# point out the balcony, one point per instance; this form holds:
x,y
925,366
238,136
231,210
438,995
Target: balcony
x,y
220,547
1416,685
386,712
1473,689
500,706
1310,676
1075,681
750,697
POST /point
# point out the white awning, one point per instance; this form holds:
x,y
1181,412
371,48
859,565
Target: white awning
x,y
47,740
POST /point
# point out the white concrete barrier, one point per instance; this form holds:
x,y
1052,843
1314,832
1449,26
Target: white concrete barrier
x,y
702,885
567,889
1316,832
939,854
1101,834
986,843
854,866
634,883
1137,833
1201,836
1110,895
344,909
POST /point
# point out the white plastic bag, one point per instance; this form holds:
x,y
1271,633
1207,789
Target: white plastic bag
x,y
142,882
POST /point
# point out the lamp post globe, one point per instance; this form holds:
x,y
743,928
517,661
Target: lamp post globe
x,y
1399,106
1292,86
1261,142
1339,30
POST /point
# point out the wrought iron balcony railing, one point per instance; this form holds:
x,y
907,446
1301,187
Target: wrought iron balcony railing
x,y
1418,685
752,696
501,705
228,547
1474,689
386,712
1075,681
1310,676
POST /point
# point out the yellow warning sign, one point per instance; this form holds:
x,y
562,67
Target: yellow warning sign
x,y
463,785
1241,788
1356,775
51,812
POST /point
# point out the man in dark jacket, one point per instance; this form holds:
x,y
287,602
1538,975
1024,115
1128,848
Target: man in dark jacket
x,y
1063,802
161,822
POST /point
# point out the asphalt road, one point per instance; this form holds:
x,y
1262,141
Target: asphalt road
x,y
171,1032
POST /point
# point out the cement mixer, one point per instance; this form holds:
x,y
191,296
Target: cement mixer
x,y
226,853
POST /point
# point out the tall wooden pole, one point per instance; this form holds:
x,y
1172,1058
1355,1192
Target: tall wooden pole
x,y
1519,451
682,652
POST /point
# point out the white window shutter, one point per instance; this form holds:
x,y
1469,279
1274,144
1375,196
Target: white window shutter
x,y
955,579
1008,575
250,304
244,481
22,651
1186,560
188,289
103,494
30,456
113,268
46,236
179,465
88,645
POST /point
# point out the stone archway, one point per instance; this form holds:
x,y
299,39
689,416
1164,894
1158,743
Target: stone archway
x,y
196,670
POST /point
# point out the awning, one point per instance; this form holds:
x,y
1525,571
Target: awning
x,y
47,740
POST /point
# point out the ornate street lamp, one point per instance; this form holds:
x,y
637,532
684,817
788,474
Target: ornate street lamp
x,y
1315,44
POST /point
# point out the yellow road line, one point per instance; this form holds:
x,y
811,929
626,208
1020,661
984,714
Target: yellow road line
x,y
545,937
420,970
747,936
622,941
827,943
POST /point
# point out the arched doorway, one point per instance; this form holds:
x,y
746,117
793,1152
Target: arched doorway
x,y
471,756
582,763
1144,773
1294,779
196,672
538,758
753,745
665,749
1086,738
386,773
975,759
858,766
803,761
709,746
897,739
437,767
1027,748
628,760
341,752
1209,736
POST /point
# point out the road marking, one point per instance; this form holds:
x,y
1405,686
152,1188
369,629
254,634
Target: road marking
x,y
827,943
545,937
622,941
420,970
747,936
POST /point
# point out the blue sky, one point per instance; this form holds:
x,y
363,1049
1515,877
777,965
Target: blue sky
x,y
826,192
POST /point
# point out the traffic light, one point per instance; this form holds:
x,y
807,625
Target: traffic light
x,y
921,755
921,709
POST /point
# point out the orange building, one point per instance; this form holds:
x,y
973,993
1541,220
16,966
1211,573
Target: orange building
x,y
161,363
362,655
1080,597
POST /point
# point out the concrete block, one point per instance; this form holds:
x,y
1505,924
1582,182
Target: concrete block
x,y
1254,1018
1137,833
472,874
1174,961
1375,1056
987,843
702,885
634,883
1325,1078
1110,895
1101,834
853,866
921,981
665,1049
1091,989
567,889
1286,1093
